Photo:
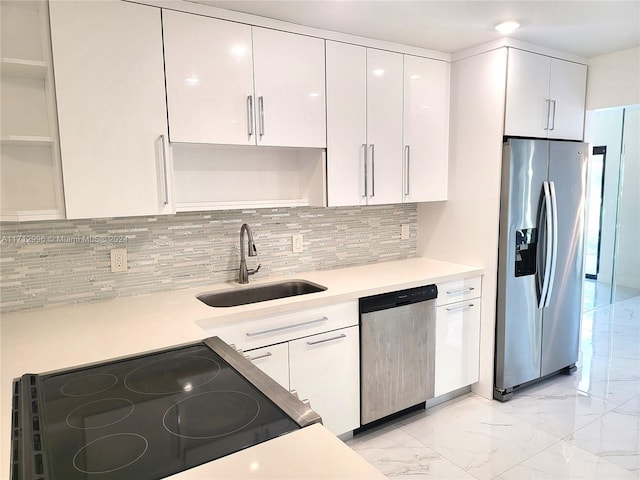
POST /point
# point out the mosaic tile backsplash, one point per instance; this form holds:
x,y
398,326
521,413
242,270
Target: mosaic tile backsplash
x,y
44,264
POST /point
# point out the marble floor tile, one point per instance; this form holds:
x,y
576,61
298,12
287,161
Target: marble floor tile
x,y
400,456
614,437
565,461
555,408
478,437
633,404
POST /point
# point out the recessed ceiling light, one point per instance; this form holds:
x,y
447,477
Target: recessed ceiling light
x,y
507,26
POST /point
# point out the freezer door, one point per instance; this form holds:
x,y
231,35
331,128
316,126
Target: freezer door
x,y
519,321
561,319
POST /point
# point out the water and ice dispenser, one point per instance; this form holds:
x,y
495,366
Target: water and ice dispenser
x,y
526,247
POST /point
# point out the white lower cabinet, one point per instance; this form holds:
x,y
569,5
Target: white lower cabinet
x,y
325,369
315,352
457,360
274,361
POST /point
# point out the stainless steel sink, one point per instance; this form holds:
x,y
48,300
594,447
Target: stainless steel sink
x,y
259,293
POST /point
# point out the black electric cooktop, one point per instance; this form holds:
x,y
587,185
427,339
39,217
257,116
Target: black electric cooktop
x,y
143,417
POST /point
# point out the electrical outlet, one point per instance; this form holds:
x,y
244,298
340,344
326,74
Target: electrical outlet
x,y
296,241
405,232
118,259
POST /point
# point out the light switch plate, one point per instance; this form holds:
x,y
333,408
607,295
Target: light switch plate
x,y
405,232
296,241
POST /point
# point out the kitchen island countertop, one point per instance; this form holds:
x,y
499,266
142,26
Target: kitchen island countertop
x,y
311,453
61,337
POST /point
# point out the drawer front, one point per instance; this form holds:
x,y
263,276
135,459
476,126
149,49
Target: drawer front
x,y
459,290
274,329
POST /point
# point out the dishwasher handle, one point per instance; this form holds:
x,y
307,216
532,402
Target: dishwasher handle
x,y
400,298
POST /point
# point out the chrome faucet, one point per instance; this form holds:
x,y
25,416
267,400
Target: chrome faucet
x,y
243,273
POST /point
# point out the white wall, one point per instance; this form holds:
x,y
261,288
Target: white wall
x,y
614,79
465,228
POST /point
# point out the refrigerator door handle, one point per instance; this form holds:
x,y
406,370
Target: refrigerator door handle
x,y
548,245
554,240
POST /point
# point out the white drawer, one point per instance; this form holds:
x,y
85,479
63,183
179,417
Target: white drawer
x,y
273,329
459,290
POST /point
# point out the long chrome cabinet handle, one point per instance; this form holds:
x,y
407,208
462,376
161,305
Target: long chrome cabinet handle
x,y
548,245
250,115
373,171
258,357
553,115
548,102
460,307
261,114
462,290
316,342
364,147
286,327
554,240
166,172
407,152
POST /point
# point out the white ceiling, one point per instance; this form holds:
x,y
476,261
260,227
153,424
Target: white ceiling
x,y
586,28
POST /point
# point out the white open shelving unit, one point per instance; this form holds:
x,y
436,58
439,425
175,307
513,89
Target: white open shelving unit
x,y
223,177
30,172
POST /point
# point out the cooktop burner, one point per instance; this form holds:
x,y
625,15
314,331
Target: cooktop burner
x,y
147,417
172,375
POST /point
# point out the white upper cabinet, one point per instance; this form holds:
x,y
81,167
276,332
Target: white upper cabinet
x,y
111,108
209,68
346,124
545,97
426,129
384,127
364,125
230,83
567,89
289,74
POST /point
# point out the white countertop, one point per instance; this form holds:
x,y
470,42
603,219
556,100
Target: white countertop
x,y
309,453
43,340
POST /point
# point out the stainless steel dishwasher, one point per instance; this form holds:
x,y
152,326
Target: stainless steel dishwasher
x,y
397,351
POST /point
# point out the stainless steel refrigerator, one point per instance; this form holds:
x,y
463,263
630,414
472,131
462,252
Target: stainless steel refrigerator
x,y
540,266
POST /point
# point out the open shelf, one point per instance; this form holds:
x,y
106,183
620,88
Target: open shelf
x,y
241,205
30,215
25,140
30,172
16,67
222,177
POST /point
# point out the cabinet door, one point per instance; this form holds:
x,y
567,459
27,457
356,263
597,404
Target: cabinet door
x,y
272,360
109,77
324,368
346,123
384,126
568,90
527,105
209,68
426,129
289,86
457,345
